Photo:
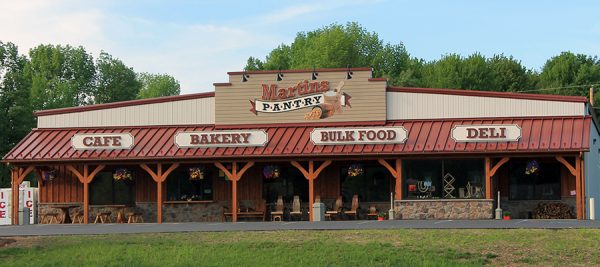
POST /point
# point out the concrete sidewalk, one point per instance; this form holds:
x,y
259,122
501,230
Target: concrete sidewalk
x,y
93,229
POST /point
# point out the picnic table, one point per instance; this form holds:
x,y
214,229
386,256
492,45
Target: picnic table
x,y
120,212
65,208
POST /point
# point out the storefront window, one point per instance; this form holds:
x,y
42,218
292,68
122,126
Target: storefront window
x,y
104,190
372,186
543,184
290,183
448,179
181,188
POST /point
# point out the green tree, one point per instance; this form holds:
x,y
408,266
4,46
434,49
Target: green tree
x,y
341,46
157,85
114,81
509,75
576,72
16,116
443,73
62,76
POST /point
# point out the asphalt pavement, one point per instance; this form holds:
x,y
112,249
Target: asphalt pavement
x,y
95,229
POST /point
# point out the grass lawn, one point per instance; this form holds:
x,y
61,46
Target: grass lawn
x,y
312,248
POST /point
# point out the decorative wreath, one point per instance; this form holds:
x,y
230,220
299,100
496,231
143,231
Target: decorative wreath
x,y
355,169
533,167
122,175
196,174
271,172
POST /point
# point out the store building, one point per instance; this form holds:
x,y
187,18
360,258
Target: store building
x,y
443,154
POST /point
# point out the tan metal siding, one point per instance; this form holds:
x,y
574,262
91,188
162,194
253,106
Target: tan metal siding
x,y
406,106
184,112
233,102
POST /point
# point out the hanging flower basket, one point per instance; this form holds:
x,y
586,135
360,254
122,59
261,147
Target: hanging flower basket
x,y
122,175
271,172
197,174
355,169
533,167
49,175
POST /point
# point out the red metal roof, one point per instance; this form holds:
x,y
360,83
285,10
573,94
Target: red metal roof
x,y
539,135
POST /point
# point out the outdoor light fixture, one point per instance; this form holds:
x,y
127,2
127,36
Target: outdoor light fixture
x,y
314,75
279,76
349,74
245,77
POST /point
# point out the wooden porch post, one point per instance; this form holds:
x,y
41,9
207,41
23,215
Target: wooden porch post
x,y
579,194
234,175
85,178
490,171
159,177
311,175
17,177
396,172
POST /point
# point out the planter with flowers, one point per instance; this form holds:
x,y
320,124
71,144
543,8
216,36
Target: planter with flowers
x,y
506,215
197,173
271,172
532,168
49,175
123,175
381,216
355,169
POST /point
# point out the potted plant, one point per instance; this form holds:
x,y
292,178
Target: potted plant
x,y
506,215
381,216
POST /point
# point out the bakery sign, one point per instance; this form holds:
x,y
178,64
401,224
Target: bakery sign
x,y
201,139
323,101
102,141
486,133
358,136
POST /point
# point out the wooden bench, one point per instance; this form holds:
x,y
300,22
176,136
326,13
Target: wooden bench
x,y
103,217
258,212
51,217
134,217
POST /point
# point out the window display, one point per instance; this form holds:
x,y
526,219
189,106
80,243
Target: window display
x,y
448,179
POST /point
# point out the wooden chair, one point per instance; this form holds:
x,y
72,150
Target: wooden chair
x,y
78,217
278,213
372,212
296,212
354,209
337,208
135,217
50,217
103,217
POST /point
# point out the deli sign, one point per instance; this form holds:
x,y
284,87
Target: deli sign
x,y
486,133
221,138
102,141
341,136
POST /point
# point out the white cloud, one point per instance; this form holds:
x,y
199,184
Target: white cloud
x,y
33,22
197,53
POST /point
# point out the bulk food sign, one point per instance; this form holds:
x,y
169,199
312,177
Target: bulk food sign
x,y
318,96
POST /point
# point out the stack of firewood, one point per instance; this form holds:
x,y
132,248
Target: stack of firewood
x,y
553,210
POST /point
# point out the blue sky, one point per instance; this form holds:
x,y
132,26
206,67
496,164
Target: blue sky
x,y
199,41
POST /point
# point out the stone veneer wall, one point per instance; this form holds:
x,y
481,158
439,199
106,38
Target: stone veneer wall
x,y
523,209
444,209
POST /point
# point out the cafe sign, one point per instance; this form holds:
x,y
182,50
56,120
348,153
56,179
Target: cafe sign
x,y
486,133
105,141
358,136
201,139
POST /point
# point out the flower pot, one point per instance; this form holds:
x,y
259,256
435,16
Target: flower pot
x,y
380,218
506,217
